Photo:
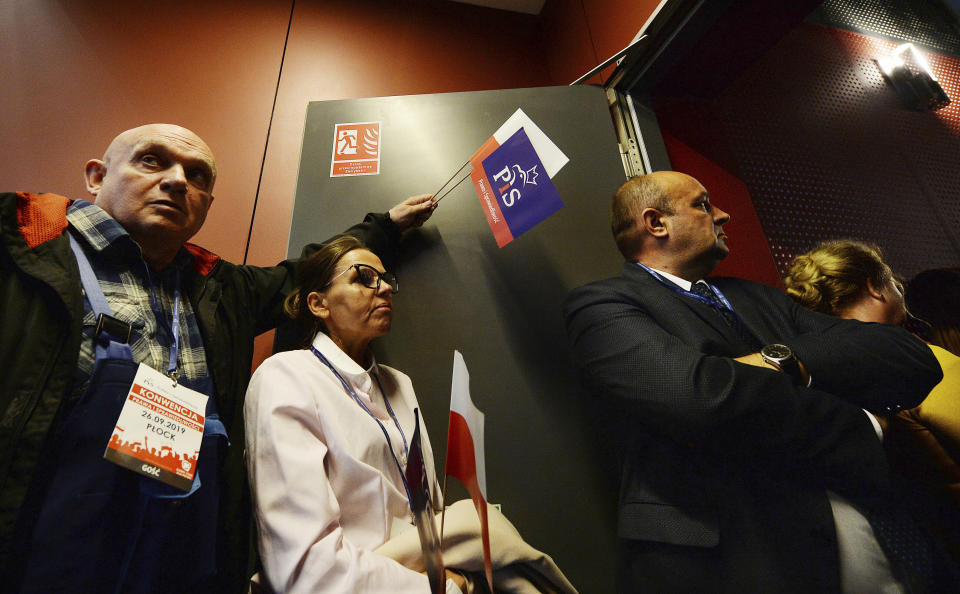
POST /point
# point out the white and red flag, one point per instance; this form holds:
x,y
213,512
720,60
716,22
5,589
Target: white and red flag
x,y
465,450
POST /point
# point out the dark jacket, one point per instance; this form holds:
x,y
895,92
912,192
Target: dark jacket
x,y
41,309
718,456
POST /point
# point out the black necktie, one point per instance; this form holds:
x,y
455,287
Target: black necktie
x,y
730,318
702,289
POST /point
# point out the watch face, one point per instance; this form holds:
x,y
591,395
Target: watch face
x,y
777,351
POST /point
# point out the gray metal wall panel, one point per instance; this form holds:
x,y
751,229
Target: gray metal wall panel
x,y
499,307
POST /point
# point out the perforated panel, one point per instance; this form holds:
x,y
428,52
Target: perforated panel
x,y
923,22
827,151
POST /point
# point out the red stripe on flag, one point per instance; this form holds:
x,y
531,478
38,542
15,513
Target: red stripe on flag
x,y
462,465
483,152
461,458
491,207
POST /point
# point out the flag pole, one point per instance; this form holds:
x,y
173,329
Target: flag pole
x,y
451,179
452,188
443,498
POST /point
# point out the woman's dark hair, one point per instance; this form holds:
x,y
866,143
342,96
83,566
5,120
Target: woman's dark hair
x,y
830,277
932,296
313,274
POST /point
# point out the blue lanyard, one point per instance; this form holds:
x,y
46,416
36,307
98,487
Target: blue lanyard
x,y
174,325
745,332
673,287
346,386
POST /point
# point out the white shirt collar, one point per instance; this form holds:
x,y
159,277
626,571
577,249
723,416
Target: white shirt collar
x,y
680,282
339,359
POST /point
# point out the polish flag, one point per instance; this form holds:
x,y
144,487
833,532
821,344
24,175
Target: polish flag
x,y
465,450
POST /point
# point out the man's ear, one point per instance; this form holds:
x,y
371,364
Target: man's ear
x,y
874,291
317,304
652,221
93,172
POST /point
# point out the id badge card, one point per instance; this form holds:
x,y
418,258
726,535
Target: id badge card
x,y
159,430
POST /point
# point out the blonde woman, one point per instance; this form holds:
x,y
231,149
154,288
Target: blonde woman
x,y
849,279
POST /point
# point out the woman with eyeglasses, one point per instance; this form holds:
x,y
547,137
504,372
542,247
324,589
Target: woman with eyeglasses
x,y
328,431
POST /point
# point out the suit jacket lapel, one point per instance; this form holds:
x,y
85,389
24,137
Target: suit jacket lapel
x,y
673,303
766,319
645,286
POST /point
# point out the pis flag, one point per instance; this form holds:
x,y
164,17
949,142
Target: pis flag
x,y
465,460
356,149
511,176
552,157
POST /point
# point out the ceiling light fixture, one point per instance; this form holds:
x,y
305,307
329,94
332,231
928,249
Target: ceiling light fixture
x,y
907,71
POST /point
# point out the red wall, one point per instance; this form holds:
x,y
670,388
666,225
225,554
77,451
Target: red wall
x,y
76,73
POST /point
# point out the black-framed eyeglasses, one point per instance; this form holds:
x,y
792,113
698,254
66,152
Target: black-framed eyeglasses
x,y
369,277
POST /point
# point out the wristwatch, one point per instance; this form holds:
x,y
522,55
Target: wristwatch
x,y
781,356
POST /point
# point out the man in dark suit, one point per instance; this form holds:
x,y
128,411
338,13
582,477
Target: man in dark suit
x,y
748,460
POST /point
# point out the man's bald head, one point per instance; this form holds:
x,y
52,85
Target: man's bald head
x,y
120,145
666,221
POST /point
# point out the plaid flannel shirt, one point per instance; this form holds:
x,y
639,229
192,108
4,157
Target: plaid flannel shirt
x,y
127,284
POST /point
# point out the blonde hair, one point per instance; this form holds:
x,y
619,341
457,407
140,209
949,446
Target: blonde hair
x,y
830,277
